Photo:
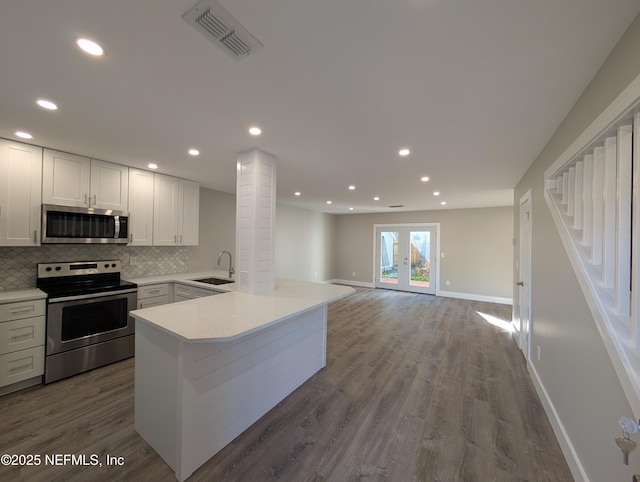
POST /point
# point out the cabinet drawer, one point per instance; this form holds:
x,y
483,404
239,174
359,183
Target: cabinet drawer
x,y
153,290
21,365
153,301
21,334
21,309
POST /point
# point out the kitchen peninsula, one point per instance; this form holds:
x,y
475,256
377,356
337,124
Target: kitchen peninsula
x,y
208,368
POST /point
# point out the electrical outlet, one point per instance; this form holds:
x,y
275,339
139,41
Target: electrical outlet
x,y
447,283
133,261
353,274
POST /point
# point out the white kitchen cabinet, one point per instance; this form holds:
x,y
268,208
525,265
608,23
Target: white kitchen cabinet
x,y
153,295
71,180
140,207
109,186
22,336
176,206
183,292
20,193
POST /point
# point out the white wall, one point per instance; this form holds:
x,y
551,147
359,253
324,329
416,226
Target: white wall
x,y
575,370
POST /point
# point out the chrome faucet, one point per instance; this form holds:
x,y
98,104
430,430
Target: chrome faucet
x,y
231,270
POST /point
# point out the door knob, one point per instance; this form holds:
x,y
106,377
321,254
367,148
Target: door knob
x,y
520,283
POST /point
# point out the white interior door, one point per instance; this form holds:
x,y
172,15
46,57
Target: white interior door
x,y
406,257
524,281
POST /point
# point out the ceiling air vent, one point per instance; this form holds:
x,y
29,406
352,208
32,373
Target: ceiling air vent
x,y
397,206
211,19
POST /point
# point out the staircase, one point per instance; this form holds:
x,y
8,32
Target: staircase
x,y
593,193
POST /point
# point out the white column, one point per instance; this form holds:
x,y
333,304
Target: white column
x,y
255,222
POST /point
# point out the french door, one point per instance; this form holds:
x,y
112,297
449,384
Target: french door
x,y
406,257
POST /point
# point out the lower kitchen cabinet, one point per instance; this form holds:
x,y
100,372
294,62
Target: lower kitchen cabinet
x,y
153,295
183,292
22,338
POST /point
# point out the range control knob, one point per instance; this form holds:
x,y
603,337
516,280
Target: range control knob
x,y
48,268
106,265
58,268
113,265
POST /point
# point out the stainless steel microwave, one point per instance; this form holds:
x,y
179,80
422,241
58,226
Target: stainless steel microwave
x,y
65,224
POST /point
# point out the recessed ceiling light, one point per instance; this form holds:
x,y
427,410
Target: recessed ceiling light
x,y
350,209
351,188
436,193
443,203
329,202
404,152
424,179
255,131
46,104
151,165
376,198
194,152
90,47
24,135
297,193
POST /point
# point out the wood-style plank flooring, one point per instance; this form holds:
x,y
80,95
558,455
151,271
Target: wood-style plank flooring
x,y
416,388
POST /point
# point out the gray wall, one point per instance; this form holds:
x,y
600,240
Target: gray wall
x,y
304,239
575,369
217,230
304,244
477,244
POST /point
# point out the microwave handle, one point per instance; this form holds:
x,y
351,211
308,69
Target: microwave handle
x,y
116,234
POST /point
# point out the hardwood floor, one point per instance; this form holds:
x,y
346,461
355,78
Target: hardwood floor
x,y
416,388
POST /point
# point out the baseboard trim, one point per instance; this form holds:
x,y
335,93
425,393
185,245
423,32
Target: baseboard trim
x,y
472,297
446,294
577,470
361,284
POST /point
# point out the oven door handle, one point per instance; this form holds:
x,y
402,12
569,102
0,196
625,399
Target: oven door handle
x,y
93,295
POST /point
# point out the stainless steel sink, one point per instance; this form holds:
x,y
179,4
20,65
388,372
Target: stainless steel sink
x,y
214,281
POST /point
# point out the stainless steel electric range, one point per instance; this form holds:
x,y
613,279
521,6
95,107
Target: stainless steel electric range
x,y
88,322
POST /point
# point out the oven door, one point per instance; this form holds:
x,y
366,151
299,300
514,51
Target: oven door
x,y
79,321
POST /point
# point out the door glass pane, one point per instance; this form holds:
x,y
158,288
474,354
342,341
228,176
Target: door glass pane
x,y
389,257
420,254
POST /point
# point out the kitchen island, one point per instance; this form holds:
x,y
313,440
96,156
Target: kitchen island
x,y
208,368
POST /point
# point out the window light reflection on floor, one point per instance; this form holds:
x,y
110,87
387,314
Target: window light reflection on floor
x,y
503,324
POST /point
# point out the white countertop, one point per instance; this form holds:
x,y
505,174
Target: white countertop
x,y
232,315
26,294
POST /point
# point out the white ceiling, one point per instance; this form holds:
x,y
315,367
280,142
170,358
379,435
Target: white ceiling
x,y
473,88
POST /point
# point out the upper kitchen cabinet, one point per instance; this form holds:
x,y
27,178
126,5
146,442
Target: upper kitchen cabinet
x,y
176,207
140,207
20,193
71,180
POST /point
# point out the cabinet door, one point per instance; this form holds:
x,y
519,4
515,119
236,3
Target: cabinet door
x,y
109,186
20,194
165,210
65,179
140,207
190,213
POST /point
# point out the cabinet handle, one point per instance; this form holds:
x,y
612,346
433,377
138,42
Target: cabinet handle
x,y
175,239
35,236
15,311
17,338
95,199
86,200
153,291
181,239
130,237
19,368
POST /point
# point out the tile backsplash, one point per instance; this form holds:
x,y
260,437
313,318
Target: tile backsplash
x,y
18,265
